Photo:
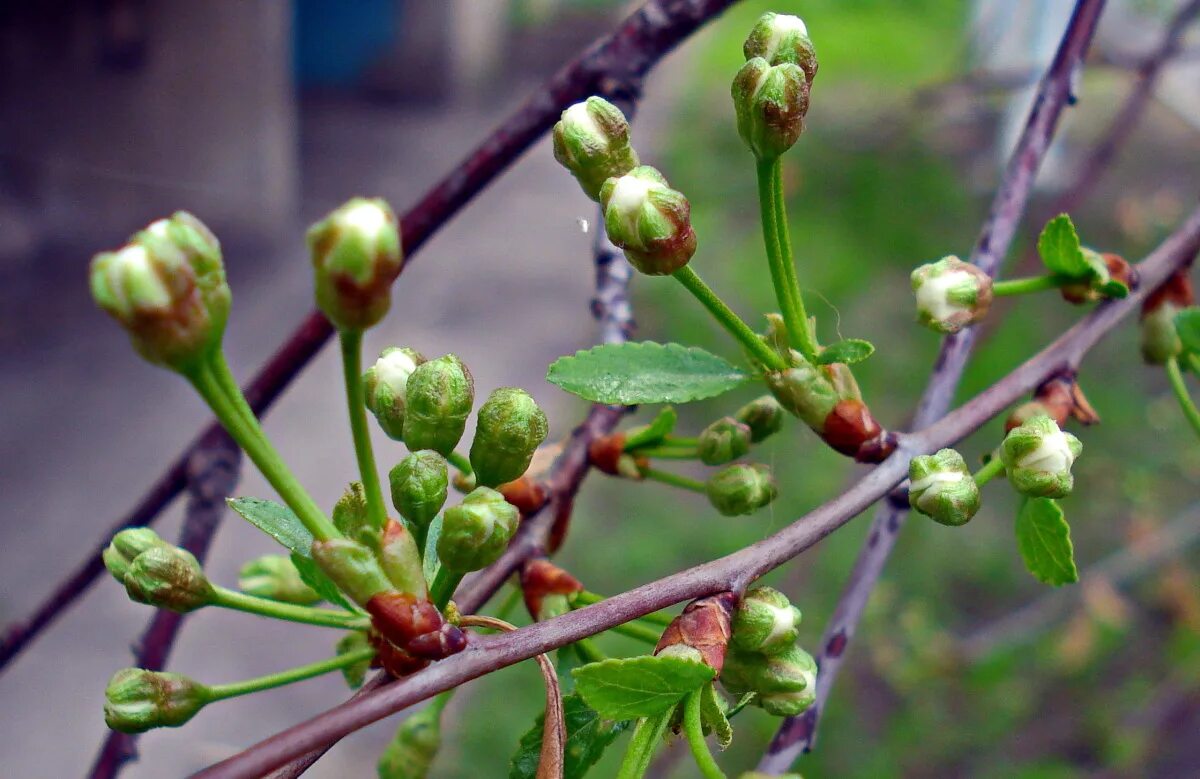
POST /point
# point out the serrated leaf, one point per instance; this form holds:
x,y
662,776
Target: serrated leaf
x,y
712,714
279,522
646,372
1187,324
658,429
1044,538
848,352
588,735
632,687
1060,249
312,575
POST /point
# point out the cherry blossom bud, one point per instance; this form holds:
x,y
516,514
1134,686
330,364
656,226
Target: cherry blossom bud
x,y
951,294
724,441
277,578
765,621
137,700
356,255
419,486
476,531
592,142
126,546
785,683
763,416
1038,456
510,429
385,387
770,102
353,567
648,220
440,395
169,578
1160,340
941,487
741,489
780,38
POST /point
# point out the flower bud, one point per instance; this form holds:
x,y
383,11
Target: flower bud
x,y
724,441
741,489
168,577
770,102
648,220
786,683
592,141
276,577
951,294
353,567
410,753
385,386
401,559
765,622
126,546
415,625
137,700
440,395
1160,339
701,632
1038,456
763,416
780,38
167,288
804,391
419,485
356,255
510,429
941,487
476,531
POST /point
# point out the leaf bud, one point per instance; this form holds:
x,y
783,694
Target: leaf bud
x,y
356,255
648,220
765,621
1160,339
770,102
415,625
168,577
951,294
440,395
591,140
542,580
476,531
385,386
785,683
410,753
741,489
724,441
701,632
401,559
127,545
511,426
137,700
1038,457
353,567
941,487
780,38
391,658
277,578
1112,277
167,288
419,486
764,417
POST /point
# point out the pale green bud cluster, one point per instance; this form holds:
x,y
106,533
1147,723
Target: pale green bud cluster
x,y
951,294
941,487
764,416
765,622
592,142
724,441
648,220
510,428
476,531
137,700
439,397
763,657
741,489
1038,457
356,255
276,577
385,386
157,573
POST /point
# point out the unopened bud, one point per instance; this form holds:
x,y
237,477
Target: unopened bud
x,y
1160,339
1110,271
277,578
476,531
765,622
951,294
852,430
805,391
169,578
353,567
419,486
701,632
1038,457
137,700
724,441
356,255
543,582
741,489
385,387
648,220
126,546
167,288
511,427
770,102
780,38
763,416
441,393
401,559
941,487
592,142
785,683
415,625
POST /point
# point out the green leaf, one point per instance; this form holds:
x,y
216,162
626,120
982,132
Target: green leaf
x,y
658,429
588,735
628,688
1060,249
712,713
312,575
1187,324
1044,539
848,352
647,372
279,522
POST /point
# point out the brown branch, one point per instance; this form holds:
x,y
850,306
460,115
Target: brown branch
x,y
732,572
212,474
797,734
613,66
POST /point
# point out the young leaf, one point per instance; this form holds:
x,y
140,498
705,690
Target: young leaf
x,y
588,735
646,372
1044,539
712,712
1187,324
430,562
633,687
1060,249
276,521
659,428
848,352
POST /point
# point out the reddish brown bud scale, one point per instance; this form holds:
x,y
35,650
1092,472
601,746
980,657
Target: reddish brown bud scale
x,y
1118,270
392,658
849,426
415,625
704,626
1059,398
527,494
607,454
540,578
1175,290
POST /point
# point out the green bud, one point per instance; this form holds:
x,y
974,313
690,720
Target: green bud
x,y
350,515
741,489
805,391
385,385
353,568
411,753
1038,456
770,102
439,398
941,487
648,220
592,142
786,683
169,578
765,621
723,441
419,485
356,674
510,429
167,288
356,255
1160,339
137,700
782,38
277,578
476,531
763,416
951,294
126,546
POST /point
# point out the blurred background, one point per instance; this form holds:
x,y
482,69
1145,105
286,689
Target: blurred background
x,y
260,115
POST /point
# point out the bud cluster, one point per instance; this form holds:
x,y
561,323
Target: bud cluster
x,y
771,91
764,658
157,573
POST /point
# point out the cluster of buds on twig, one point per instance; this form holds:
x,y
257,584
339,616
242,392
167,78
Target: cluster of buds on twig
x,y
157,573
764,657
771,91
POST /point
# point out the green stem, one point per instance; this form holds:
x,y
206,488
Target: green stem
x,y
669,452
351,343
993,467
222,691
508,604
443,587
588,651
585,598
646,737
675,440
460,462
640,632
1011,287
674,479
245,430
240,601
728,319
694,730
1179,387
1193,361
777,240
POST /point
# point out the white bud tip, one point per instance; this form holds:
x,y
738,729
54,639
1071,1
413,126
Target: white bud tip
x,y
933,294
578,118
1053,454
394,369
134,275
781,26
366,218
